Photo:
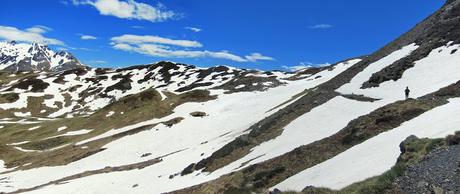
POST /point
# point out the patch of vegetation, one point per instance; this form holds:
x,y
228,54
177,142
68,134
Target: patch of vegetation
x,y
361,98
36,85
205,72
193,85
251,83
262,179
453,139
6,77
46,144
234,190
123,85
9,98
34,106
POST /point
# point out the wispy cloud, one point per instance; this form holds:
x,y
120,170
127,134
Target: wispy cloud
x,y
97,62
32,34
258,57
165,47
129,9
138,27
81,48
304,65
134,39
39,29
194,29
87,37
321,26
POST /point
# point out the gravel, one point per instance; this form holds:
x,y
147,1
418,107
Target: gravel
x,y
438,173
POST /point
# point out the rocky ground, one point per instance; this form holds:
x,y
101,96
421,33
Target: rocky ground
x,y
438,173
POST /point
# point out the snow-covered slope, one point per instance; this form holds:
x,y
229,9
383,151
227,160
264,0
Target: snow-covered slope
x,y
193,138
32,57
376,155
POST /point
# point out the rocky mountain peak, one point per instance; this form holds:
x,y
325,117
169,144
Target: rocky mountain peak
x,y
16,56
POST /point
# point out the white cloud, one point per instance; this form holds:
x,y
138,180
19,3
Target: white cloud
x,y
194,29
134,39
257,56
38,29
321,26
164,51
33,34
304,65
164,47
129,9
87,37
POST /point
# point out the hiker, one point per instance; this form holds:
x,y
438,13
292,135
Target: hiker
x,y
407,91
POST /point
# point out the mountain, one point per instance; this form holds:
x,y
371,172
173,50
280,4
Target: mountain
x,y
82,91
34,57
177,128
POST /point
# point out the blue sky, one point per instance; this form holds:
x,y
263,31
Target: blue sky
x,y
260,34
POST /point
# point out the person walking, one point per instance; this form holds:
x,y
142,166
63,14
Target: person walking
x,y
407,92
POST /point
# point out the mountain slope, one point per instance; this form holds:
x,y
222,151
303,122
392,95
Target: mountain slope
x,y
169,127
229,111
34,57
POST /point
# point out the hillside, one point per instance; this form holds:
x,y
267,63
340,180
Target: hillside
x,y
170,127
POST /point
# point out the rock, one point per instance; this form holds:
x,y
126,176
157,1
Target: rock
x,y
146,154
198,114
422,184
275,191
189,169
437,190
403,144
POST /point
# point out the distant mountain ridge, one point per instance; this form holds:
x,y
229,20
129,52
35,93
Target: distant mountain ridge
x,y
16,56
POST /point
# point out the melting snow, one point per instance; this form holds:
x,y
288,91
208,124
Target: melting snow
x,y
109,114
22,114
2,167
33,128
240,86
61,128
79,132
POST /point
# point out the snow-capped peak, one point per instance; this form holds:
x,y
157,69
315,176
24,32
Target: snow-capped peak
x,y
16,56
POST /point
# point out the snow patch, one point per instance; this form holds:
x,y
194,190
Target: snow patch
x,y
33,128
22,114
109,114
61,128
